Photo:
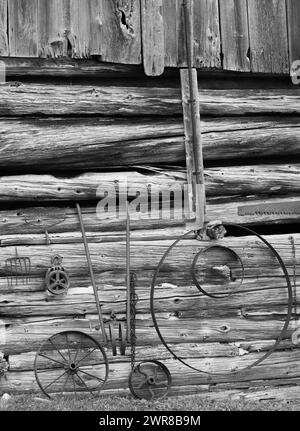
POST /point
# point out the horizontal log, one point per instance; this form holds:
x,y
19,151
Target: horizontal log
x,y
27,337
225,181
283,365
49,144
22,226
178,302
24,361
42,99
257,258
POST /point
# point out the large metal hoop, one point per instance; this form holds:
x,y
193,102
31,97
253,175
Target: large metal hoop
x,y
282,332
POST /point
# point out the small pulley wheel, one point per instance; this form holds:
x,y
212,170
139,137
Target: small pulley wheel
x,y
57,280
71,362
150,380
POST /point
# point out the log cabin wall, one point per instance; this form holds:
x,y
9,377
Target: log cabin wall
x,y
68,125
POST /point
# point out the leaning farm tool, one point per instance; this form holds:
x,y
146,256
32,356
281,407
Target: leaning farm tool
x,y
18,268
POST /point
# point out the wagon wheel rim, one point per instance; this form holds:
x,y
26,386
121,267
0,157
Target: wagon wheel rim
x,y
74,360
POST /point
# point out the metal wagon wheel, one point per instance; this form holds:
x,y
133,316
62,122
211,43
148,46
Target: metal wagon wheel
x,y
150,380
71,362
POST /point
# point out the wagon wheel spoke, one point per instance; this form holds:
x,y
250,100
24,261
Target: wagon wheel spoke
x,y
65,384
90,390
51,359
91,375
55,347
77,351
68,346
142,372
55,380
89,353
74,386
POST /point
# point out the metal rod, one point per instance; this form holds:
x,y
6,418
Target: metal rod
x,y
91,271
199,183
128,283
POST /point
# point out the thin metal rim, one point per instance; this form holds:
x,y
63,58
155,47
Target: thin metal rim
x,y
194,277
97,344
286,323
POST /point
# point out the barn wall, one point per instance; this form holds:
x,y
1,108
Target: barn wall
x,y
59,142
237,35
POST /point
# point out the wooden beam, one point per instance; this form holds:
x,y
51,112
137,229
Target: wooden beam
x,y
112,100
51,144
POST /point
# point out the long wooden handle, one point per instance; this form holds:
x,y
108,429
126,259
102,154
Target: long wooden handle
x,y
91,271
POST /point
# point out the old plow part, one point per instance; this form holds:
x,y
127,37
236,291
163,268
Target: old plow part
x,y
150,380
70,363
229,273
18,269
117,338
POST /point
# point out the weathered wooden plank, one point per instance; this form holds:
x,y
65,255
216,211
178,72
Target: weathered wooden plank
x,y
41,99
68,68
15,226
53,27
293,9
3,28
120,31
180,374
207,48
23,26
224,181
153,37
235,35
27,337
268,36
50,144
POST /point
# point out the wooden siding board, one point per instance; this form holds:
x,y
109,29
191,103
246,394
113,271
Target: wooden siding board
x,y
268,36
3,28
293,8
53,22
153,36
207,44
23,34
235,35
121,31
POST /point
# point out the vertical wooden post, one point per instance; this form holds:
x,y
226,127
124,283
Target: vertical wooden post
x,y
193,147
192,125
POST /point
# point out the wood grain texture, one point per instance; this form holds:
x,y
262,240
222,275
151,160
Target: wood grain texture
x,y
293,8
207,47
278,180
120,31
153,37
235,35
49,144
3,28
268,36
53,28
23,28
111,100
